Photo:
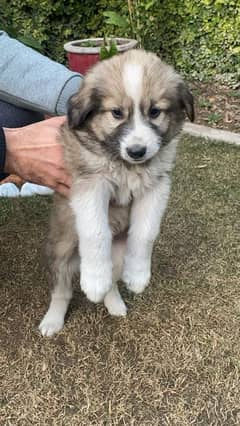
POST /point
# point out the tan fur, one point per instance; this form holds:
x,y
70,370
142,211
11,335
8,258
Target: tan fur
x,y
160,83
89,157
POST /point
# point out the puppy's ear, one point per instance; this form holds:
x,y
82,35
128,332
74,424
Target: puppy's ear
x,y
81,107
187,101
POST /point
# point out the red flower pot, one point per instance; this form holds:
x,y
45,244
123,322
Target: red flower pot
x,y
82,54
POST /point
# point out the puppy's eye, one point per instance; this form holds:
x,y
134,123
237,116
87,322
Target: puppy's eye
x,y
154,112
117,113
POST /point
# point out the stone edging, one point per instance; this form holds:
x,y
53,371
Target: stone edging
x,y
210,133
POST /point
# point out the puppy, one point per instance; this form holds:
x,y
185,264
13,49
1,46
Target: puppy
x,y
120,145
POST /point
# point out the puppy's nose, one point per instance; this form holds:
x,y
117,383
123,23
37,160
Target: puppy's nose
x,y
136,151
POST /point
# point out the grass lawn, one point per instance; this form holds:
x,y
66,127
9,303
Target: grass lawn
x,y
175,359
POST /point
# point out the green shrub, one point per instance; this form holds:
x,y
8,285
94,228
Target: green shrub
x,y
51,22
200,37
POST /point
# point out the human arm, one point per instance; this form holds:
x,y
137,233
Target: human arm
x,y
33,81
34,153
2,149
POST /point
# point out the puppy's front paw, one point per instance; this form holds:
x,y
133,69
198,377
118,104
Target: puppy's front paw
x,y
136,274
51,324
117,308
114,303
96,283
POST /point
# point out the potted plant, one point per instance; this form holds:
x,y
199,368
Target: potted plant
x,y
82,54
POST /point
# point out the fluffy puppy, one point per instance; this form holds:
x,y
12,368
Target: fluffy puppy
x,y
120,144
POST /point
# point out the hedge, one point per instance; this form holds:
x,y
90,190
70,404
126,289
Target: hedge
x,y
200,37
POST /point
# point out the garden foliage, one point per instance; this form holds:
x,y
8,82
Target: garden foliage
x,y
200,37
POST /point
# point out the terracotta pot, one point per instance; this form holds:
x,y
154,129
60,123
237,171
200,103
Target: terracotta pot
x,y
81,56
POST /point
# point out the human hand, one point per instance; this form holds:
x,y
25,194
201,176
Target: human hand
x,y
34,153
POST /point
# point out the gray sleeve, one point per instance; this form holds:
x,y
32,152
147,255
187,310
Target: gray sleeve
x,y
33,81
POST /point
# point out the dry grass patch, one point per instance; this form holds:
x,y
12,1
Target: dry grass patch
x,y
175,359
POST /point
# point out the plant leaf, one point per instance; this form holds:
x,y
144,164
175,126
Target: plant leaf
x,y
107,51
114,18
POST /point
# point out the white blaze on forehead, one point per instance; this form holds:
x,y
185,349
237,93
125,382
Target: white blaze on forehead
x,y
139,132
132,80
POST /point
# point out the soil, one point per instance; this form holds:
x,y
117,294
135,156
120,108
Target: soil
x,y
216,105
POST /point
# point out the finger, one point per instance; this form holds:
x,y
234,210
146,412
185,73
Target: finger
x,y
64,178
67,181
57,121
63,190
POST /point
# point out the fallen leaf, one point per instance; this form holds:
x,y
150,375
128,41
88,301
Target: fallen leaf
x,y
201,166
228,117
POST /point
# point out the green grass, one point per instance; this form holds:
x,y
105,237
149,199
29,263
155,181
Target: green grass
x,y
235,94
175,359
214,118
204,103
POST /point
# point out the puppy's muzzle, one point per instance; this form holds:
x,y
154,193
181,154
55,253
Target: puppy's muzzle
x,y
136,151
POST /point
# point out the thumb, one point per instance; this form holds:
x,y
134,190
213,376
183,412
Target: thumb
x,y
57,121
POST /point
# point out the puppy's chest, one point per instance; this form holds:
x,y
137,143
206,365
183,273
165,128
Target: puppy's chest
x,y
123,195
128,185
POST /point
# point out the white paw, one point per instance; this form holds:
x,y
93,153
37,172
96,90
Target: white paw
x,y
136,274
51,324
96,283
117,309
9,190
28,189
95,289
115,305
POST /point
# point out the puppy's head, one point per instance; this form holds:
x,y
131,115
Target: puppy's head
x,y
130,106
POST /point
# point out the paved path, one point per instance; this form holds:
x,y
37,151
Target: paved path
x,y
210,133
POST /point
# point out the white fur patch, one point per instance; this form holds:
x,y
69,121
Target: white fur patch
x,y
114,303
90,206
53,320
141,133
132,80
146,215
